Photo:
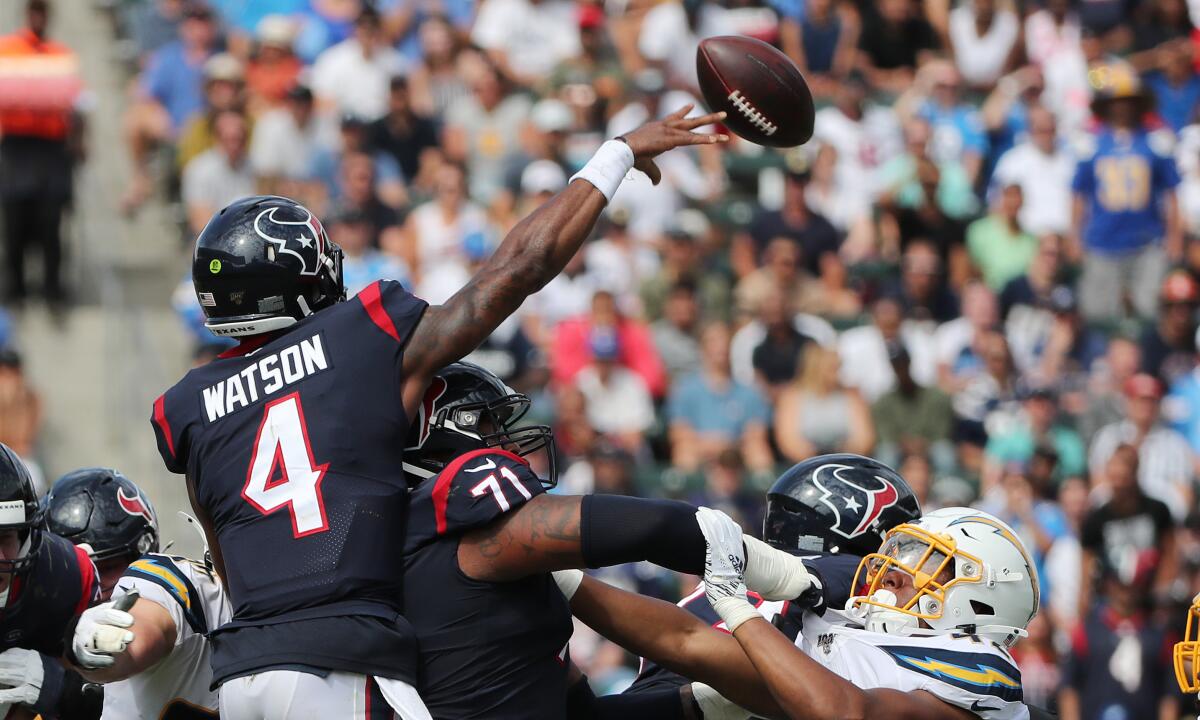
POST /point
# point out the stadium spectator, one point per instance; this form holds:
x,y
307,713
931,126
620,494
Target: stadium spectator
x,y
895,40
219,175
1037,426
439,79
682,261
957,133
960,354
777,358
821,41
151,24
1125,217
864,134
592,81
1106,386
816,415
1119,661
1028,304
1043,168
287,147
1065,558
997,244
709,411
1175,85
224,89
355,191
353,76
362,264
1038,522
526,39
921,289
435,232
402,133
570,351
864,353
619,406
1166,466
1168,345
273,69
620,262
170,91
483,130
725,489
983,37
912,419
1005,112
1037,658
1070,346
987,398
795,220
782,274
1158,25
675,333
40,142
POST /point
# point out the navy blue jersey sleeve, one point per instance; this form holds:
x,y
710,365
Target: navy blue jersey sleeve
x,y
394,310
833,576
168,425
474,489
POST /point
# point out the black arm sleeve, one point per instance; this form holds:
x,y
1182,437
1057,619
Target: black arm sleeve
x,y
615,529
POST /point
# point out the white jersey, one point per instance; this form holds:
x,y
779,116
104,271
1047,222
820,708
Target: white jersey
x,y
965,671
197,604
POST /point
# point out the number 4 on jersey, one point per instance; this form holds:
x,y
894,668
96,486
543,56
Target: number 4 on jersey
x,y
283,471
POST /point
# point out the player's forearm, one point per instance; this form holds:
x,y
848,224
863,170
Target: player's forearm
x,y
153,637
559,532
673,638
803,689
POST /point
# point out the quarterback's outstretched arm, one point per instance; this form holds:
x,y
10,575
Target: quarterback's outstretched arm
x,y
538,248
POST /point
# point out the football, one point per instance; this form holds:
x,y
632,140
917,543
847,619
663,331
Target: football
x,y
766,98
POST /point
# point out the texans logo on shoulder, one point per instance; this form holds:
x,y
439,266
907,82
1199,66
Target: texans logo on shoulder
x,y
303,239
134,505
856,502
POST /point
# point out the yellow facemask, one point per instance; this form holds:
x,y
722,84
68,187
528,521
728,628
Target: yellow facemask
x,y
928,559
1187,652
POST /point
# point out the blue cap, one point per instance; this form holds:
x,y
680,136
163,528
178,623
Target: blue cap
x,y
604,344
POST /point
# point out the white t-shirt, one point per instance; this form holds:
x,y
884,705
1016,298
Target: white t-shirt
x,y
981,59
194,598
862,146
535,37
211,181
358,85
280,148
623,404
1045,182
440,253
865,363
1187,156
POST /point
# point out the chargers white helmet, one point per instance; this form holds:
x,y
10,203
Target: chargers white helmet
x,y
971,574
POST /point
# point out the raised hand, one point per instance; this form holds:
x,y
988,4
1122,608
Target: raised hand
x,y
675,130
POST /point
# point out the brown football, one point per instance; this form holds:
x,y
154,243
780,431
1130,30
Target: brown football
x,y
766,98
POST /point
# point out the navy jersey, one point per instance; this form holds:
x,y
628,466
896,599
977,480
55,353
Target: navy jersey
x,y
832,577
488,650
293,442
1123,178
61,584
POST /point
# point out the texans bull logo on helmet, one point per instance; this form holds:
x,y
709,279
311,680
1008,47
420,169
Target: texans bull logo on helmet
x,y
302,239
864,491
435,391
135,505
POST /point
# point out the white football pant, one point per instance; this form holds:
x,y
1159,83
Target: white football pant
x,y
294,695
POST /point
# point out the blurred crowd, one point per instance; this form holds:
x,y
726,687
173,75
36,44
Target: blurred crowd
x,y
982,270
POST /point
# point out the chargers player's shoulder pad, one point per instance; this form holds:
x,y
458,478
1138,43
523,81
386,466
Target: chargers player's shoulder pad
x,y
171,573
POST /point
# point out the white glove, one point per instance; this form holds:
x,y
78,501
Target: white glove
x,y
568,582
714,706
21,675
772,573
725,567
100,634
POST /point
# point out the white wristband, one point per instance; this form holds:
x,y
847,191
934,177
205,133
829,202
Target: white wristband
x,y
734,610
607,168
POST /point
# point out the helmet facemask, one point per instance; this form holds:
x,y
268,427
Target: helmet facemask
x,y
486,425
1187,652
933,564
